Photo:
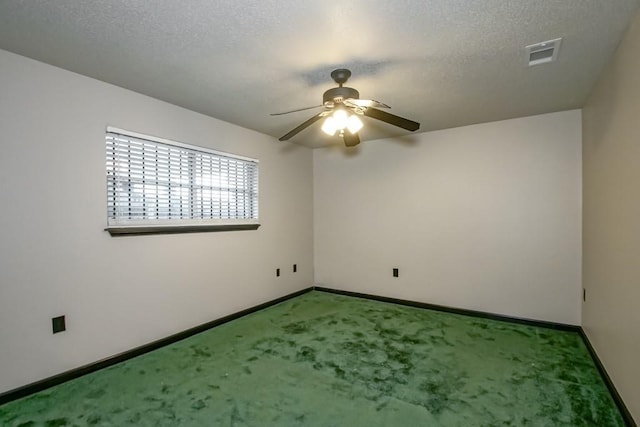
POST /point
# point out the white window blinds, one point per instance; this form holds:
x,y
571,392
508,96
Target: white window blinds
x,y
152,181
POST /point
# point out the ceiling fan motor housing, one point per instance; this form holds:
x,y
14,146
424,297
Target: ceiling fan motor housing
x,y
339,94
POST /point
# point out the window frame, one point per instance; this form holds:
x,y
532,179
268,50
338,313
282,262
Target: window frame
x,y
121,226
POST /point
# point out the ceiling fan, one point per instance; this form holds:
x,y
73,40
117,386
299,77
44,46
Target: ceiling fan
x,y
342,106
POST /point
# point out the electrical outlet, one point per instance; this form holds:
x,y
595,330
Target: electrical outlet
x,y
396,272
58,324
277,272
295,268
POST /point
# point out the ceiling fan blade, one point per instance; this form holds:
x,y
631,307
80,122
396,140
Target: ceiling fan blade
x,y
392,119
303,126
351,139
295,111
351,102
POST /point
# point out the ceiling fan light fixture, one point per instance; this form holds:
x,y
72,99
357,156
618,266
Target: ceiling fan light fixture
x,y
329,126
341,118
354,124
339,121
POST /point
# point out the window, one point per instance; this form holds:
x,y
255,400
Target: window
x,y
159,186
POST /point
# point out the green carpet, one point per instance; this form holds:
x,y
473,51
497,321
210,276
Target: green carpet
x,y
329,360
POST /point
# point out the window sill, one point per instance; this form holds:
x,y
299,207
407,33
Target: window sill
x,y
128,230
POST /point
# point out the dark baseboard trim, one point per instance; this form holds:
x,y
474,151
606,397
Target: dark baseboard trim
x,y
462,311
628,419
92,367
112,360
626,415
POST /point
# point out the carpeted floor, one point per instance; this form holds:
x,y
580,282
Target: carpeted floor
x,y
329,360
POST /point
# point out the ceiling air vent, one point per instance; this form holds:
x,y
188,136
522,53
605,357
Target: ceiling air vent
x,y
541,53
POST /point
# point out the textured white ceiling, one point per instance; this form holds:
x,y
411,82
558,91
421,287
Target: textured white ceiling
x,y
444,63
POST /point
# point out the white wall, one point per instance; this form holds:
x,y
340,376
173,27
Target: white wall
x,y
483,217
119,293
611,268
